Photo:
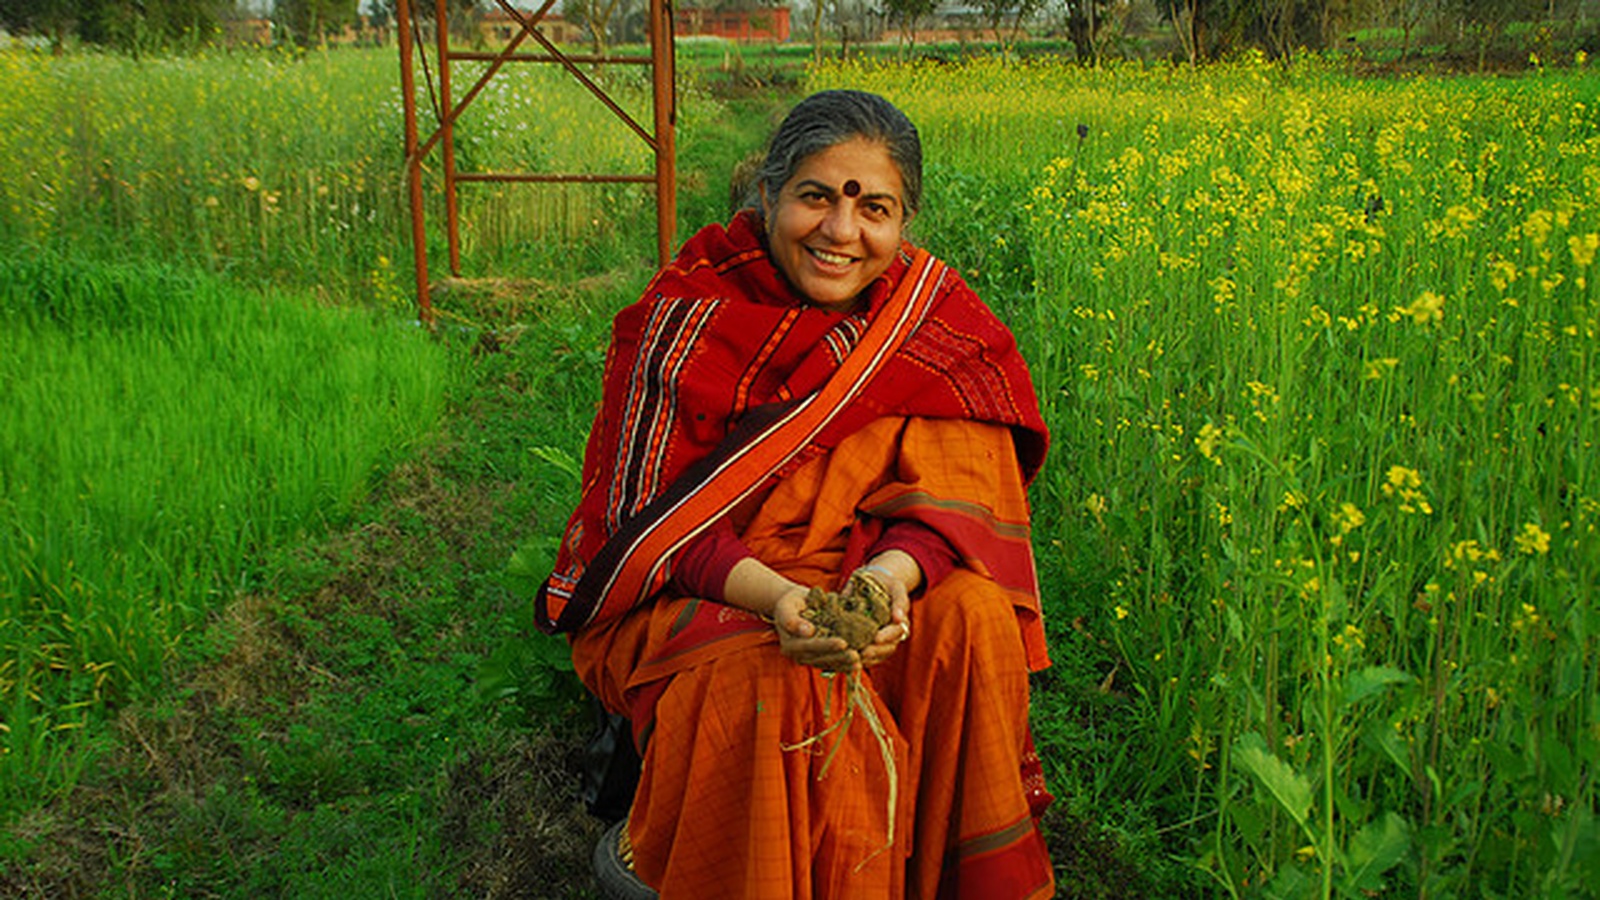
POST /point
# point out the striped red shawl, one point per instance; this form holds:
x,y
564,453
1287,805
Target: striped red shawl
x,y
721,378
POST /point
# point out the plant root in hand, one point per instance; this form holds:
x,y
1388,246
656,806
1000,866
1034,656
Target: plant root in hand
x,y
855,614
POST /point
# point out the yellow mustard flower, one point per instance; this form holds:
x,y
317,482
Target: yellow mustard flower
x,y
1532,540
1583,248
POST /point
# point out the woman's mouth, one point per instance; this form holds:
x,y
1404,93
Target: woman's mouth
x,y
829,258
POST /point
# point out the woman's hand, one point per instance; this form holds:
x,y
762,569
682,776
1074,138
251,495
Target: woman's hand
x,y
899,574
756,587
797,637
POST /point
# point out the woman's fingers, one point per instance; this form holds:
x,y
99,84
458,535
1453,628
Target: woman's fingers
x,y
829,653
887,641
798,640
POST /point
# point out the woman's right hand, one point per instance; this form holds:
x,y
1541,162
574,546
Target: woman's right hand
x,y
797,637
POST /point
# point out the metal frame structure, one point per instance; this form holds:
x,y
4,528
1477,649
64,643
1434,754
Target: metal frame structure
x,y
661,139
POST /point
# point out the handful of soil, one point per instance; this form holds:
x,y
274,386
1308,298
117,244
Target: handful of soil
x,y
855,613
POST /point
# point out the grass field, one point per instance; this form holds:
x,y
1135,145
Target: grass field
x,y
1317,534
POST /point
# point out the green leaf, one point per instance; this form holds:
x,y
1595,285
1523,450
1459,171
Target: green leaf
x,y
1360,685
1376,848
1291,789
1382,737
1291,883
530,564
557,457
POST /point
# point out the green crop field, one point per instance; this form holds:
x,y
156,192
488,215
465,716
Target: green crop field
x,y
1319,535
1324,503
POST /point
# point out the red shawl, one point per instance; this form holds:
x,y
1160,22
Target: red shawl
x,y
721,377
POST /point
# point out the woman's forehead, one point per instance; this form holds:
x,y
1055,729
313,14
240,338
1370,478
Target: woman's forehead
x,y
864,163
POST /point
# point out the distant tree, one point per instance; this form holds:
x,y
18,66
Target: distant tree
x,y
596,15
907,13
817,7
1086,20
128,25
308,22
1210,29
1206,29
1284,26
55,19
1407,16
461,13
864,20
1485,20
994,13
1188,18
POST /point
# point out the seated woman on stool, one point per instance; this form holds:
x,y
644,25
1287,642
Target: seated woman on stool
x,y
802,396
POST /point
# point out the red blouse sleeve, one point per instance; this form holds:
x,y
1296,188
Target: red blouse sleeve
x,y
701,569
933,553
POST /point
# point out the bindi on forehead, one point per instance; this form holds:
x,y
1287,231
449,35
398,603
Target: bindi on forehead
x,y
852,188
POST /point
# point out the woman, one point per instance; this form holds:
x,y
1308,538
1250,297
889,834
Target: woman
x,y
801,396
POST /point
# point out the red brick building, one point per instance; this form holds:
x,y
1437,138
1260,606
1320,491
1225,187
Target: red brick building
x,y
761,24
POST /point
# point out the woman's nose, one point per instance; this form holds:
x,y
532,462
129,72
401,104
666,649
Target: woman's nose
x,y
841,224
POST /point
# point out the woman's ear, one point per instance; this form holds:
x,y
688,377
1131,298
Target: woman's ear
x,y
766,207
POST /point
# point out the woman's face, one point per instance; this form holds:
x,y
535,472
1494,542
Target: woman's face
x,y
836,225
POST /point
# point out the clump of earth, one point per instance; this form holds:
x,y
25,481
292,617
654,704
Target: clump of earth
x,y
855,613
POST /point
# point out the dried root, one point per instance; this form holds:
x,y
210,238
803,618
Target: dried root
x,y
855,614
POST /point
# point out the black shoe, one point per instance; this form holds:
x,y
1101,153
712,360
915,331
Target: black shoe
x,y
613,866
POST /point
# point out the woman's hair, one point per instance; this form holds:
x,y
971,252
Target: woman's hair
x,y
826,119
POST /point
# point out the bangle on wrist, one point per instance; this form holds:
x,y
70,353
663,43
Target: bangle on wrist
x,y
878,569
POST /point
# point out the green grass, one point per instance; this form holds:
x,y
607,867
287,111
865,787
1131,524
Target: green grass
x,y
374,716
161,428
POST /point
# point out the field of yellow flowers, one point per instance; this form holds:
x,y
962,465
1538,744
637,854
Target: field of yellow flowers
x,y
1322,360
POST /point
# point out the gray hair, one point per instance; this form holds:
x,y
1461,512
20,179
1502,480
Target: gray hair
x,y
826,119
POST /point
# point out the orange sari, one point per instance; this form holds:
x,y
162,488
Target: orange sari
x,y
730,804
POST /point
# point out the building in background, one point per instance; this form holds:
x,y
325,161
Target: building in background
x,y
758,23
498,27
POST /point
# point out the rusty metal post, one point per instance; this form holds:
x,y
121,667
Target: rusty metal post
x,y
447,129
408,90
663,140
663,71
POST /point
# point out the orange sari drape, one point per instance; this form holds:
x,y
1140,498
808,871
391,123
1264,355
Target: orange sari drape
x,y
729,804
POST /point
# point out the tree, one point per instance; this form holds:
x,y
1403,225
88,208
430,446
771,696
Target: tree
x,y
461,13
907,12
1211,29
56,19
310,21
816,29
128,25
1188,18
1086,20
993,13
1485,20
596,15
1405,15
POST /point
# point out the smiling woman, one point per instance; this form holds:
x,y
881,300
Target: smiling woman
x,y
802,399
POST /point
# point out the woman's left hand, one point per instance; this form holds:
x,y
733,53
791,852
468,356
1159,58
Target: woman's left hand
x,y
890,570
